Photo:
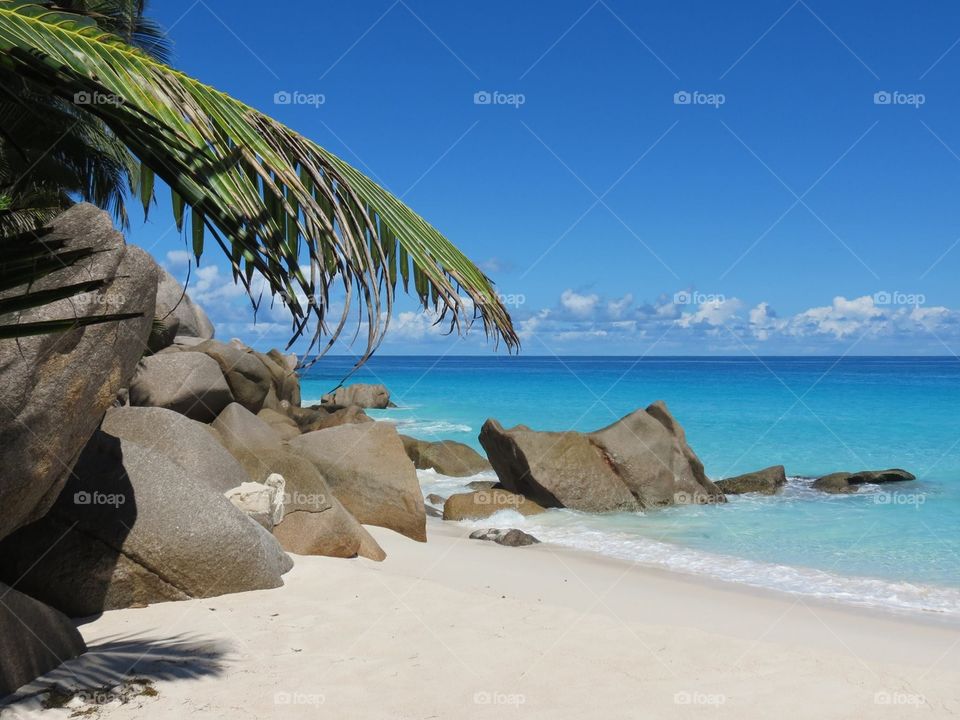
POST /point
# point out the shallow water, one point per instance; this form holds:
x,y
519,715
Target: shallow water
x,y
897,545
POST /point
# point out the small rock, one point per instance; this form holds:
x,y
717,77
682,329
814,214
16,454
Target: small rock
x,y
510,538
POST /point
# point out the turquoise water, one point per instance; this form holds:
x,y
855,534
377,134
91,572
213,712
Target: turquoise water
x,y
897,545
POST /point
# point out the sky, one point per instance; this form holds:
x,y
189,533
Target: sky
x,y
676,177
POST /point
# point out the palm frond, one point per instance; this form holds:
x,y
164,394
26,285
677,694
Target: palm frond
x,y
276,203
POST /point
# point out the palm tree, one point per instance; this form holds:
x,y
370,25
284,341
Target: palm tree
x,y
277,204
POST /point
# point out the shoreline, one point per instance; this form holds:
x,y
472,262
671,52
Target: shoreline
x,y
464,628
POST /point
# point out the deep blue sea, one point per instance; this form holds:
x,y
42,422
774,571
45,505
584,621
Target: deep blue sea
x,y
896,546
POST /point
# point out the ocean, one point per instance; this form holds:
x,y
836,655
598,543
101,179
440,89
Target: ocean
x,y
894,546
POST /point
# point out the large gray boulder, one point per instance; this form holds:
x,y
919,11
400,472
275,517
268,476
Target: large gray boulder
x,y
366,396
192,321
768,481
36,639
133,527
314,521
641,461
447,457
242,431
350,415
249,379
283,369
187,442
55,388
185,382
369,472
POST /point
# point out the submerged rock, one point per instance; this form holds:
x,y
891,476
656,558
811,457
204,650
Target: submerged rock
x,y
640,461
447,457
766,482
845,483
510,538
484,503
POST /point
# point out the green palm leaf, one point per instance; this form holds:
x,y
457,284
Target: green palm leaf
x,y
276,203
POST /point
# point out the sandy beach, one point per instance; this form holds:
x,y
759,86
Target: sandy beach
x,y
459,628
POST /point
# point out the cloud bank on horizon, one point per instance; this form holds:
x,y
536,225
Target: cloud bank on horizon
x,y
683,322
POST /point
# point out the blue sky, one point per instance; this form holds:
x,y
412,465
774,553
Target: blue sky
x,y
787,208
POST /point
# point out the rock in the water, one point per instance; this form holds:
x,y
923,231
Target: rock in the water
x,y
767,482
844,482
835,484
185,382
314,521
132,527
263,502
246,375
242,431
482,484
350,415
368,470
435,499
36,639
484,503
447,457
187,442
55,388
510,538
641,461
192,321
367,396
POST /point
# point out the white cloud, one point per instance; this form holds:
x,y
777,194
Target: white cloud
x,y
579,305
178,260
711,312
616,308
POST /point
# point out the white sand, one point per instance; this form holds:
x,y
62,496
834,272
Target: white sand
x,y
459,628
